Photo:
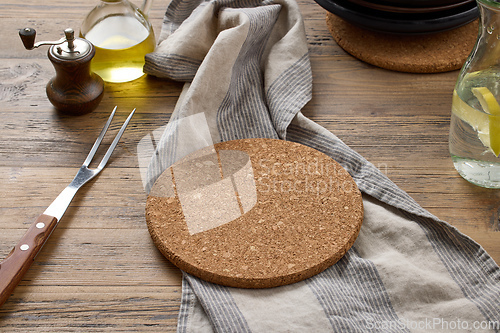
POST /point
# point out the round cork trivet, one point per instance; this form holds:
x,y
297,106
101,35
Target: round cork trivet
x,y
430,53
254,213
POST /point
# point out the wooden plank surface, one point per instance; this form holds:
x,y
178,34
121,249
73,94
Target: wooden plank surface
x,y
100,270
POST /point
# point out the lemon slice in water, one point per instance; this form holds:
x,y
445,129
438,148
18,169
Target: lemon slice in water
x,y
487,124
490,105
487,100
495,135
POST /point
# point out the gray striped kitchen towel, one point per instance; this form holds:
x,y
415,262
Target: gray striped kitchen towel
x,y
247,74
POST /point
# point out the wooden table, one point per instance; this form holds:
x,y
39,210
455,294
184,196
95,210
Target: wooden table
x,y
100,270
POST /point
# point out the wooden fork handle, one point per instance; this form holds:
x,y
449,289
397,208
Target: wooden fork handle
x,y
19,260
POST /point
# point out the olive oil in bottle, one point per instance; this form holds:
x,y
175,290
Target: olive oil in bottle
x,y
121,43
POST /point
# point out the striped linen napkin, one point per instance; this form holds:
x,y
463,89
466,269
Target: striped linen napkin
x,y
247,74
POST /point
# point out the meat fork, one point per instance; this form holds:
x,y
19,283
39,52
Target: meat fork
x,y
19,260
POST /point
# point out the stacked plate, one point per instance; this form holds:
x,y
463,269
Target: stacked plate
x,y
404,16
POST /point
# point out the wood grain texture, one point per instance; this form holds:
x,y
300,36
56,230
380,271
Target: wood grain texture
x,y
100,270
19,260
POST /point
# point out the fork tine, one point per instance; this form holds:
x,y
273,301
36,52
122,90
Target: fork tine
x,y
84,174
98,141
115,142
19,260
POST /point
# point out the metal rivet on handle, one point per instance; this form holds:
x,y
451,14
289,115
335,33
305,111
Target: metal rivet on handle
x,y
24,247
40,225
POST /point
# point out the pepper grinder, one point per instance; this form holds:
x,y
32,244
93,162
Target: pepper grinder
x,y
75,90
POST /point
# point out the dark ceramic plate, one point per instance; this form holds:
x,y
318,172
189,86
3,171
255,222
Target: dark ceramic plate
x,y
397,9
401,23
416,3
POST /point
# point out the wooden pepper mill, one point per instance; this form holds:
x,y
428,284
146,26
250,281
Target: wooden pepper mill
x,y
75,90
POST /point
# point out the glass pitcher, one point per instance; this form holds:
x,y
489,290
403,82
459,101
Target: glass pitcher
x,y
122,36
475,121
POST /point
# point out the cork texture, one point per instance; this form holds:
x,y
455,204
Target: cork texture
x,y
431,53
254,213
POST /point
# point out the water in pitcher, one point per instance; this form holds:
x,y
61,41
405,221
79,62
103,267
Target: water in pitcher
x,y
475,128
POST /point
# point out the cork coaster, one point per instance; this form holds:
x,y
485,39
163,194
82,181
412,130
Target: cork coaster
x,y
432,53
254,213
